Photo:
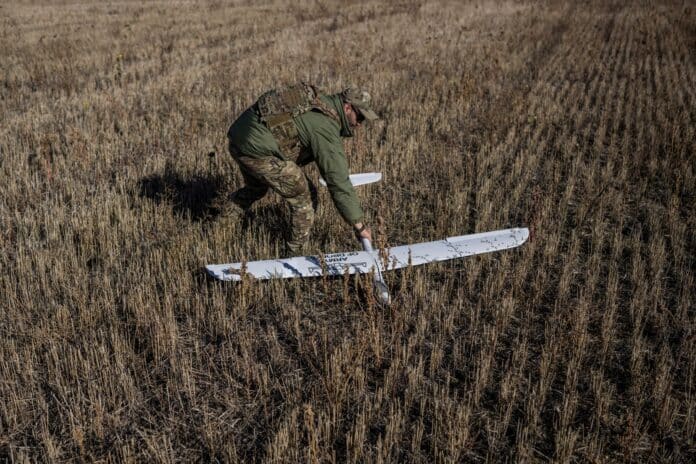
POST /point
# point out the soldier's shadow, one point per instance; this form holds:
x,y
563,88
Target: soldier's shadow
x,y
199,196
192,196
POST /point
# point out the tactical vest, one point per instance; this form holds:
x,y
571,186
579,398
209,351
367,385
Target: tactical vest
x,y
278,107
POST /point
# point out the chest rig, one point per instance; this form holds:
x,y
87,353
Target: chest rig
x,y
278,107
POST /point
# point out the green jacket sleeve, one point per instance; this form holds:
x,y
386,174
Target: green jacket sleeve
x,y
327,149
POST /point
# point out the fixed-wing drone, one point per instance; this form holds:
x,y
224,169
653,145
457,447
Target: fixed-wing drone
x,y
370,260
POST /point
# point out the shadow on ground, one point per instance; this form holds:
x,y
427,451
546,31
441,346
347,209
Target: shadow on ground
x,y
194,196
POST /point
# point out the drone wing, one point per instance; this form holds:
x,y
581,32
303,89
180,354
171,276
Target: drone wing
x,y
360,179
367,261
302,266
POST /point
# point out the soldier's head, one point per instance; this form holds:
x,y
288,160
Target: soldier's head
x,y
356,106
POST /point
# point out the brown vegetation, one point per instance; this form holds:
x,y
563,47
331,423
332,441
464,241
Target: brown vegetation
x,y
577,121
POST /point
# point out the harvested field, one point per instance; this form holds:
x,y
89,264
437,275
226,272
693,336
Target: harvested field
x,y
576,121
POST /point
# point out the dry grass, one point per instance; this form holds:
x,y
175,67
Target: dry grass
x,y
577,121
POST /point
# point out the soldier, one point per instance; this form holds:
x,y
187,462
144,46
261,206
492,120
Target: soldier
x,y
291,127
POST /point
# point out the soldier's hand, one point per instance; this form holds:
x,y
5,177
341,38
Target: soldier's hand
x,y
362,231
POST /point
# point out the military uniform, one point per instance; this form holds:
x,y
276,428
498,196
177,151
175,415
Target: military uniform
x,y
278,134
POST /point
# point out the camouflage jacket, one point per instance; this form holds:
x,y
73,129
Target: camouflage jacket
x,y
320,137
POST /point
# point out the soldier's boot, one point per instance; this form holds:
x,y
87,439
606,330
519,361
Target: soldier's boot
x,y
239,202
234,206
227,209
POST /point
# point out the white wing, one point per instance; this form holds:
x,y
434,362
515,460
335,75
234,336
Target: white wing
x,y
456,247
360,179
366,261
303,266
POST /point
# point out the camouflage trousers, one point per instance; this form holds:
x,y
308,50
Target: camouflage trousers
x,y
285,178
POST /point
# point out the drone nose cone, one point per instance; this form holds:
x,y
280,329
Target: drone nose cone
x,y
382,293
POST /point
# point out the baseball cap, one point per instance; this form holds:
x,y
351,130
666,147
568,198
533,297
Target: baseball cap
x,y
361,100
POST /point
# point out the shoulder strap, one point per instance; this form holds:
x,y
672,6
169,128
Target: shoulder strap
x,y
319,105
